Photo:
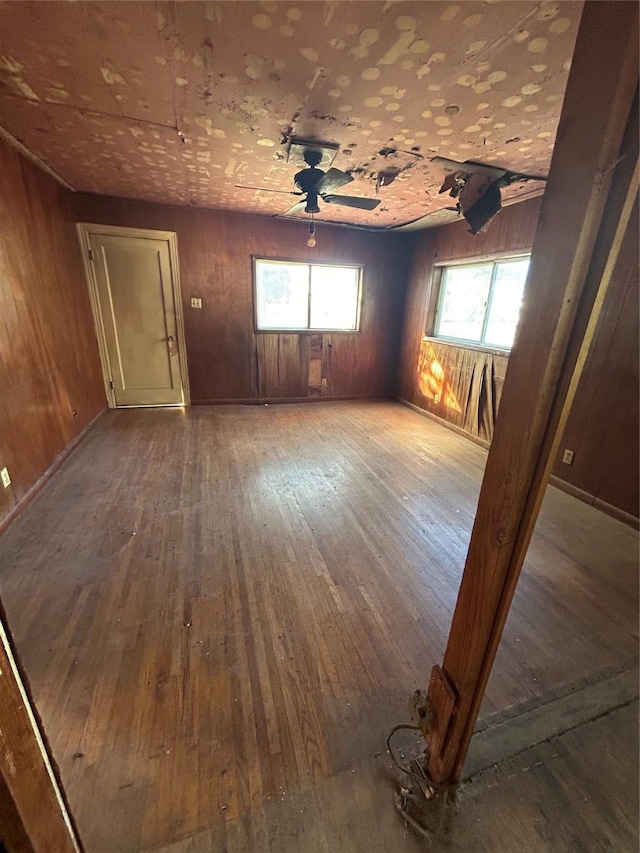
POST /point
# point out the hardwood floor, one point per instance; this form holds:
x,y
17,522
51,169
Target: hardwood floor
x,y
222,612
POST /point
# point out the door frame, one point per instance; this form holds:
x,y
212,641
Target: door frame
x,y
85,230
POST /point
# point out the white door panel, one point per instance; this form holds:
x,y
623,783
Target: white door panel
x,y
136,304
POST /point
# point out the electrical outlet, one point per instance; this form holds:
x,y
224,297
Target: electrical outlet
x,y
196,302
6,479
436,398
567,457
324,382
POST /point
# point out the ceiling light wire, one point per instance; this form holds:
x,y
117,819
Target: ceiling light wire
x,y
311,242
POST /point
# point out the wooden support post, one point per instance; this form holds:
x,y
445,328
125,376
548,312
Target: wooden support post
x,y
581,228
34,817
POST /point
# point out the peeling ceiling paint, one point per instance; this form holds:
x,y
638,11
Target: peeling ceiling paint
x,y
179,102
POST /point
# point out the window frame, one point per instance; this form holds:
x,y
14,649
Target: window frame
x,y
306,330
438,287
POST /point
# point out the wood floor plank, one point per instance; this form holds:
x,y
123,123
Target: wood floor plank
x,y
229,607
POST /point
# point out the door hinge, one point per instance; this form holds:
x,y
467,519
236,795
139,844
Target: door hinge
x,y
91,258
111,385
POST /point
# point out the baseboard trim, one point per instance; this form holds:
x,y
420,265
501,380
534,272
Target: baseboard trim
x,y
554,480
453,427
263,401
39,484
592,500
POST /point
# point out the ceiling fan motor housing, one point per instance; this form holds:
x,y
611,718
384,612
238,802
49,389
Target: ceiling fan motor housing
x,y
312,203
307,179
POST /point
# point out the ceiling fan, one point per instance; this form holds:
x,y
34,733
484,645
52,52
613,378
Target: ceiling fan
x,y
476,186
315,184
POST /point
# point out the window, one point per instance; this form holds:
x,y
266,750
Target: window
x,y
480,302
293,297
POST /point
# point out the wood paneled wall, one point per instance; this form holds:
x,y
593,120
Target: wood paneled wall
x,y
50,381
603,426
227,359
511,231
49,366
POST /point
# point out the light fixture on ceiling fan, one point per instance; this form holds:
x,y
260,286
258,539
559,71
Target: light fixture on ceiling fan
x,y
311,242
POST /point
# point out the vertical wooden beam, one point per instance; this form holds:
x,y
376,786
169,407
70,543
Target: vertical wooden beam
x,y
34,815
573,256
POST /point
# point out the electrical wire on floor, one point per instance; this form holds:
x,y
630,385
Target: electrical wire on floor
x,y
404,798
401,801
407,770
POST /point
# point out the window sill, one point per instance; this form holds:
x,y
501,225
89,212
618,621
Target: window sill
x,y
453,342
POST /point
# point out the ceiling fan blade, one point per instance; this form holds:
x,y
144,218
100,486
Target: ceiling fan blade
x,y
352,201
332,180
265,189
470,167
296,209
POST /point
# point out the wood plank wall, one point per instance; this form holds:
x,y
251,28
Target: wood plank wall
x,y
603,426
49,366
227,360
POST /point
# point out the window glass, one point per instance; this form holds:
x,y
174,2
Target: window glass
x,y
282,295
334,297
505,303
462,310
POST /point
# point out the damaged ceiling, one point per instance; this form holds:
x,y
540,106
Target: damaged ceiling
x,y
180,102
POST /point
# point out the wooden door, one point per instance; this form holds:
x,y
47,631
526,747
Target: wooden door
x,y
135,300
